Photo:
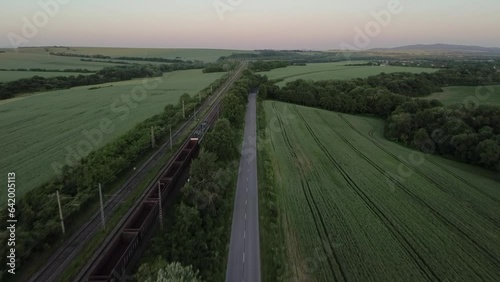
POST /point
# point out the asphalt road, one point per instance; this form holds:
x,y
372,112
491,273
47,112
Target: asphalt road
x,y
244,250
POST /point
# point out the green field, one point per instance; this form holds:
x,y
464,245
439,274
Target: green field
x,y
6,76
340,194
337,71
14,60
488,95
37,129
38,57
206,55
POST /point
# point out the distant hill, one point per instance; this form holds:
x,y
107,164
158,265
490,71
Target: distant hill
x,y
443,48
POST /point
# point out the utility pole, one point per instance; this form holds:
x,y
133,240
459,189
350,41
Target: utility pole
x,y
60,212
152,137
102,208
170,137
159,206
183,110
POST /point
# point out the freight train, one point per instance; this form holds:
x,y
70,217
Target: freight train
x,y
114,260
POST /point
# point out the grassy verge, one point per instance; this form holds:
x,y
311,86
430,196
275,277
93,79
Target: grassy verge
x,y
271,232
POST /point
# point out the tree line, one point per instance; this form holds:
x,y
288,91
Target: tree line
x,y
144,59
259,66
107,74
219,67
37,212
50,70
200,231
469,132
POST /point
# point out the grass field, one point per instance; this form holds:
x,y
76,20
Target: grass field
x,y
14,60
38,129
337,71
340,194
6,76
465,94
206,55
39,57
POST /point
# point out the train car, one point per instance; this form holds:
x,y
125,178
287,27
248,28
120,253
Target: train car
x,y
117,256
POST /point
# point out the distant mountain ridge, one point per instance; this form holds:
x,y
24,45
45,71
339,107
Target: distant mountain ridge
x,y
442,47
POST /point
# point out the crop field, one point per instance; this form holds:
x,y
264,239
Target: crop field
x,y
15,60
206,55
356,208
6,76
464,94
337,71
42,128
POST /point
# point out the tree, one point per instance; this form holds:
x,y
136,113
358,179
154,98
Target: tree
x,y
421,139
184,98
161,271
222,141
233,110
207,183
489,151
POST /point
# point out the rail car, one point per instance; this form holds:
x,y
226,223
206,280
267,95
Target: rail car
x,y
117,256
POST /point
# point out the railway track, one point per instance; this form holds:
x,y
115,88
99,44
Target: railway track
x,y
71,248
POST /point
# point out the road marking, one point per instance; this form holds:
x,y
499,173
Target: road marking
x,y
245,234
243,257
245,216
247,179
246,202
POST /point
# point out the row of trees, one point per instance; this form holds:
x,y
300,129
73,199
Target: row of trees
x,y
200,233
296,56
37,213
50,70
469,132
259,66
143,59
108,74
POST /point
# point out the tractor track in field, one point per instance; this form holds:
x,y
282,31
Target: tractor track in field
x,y
422,174
425,269
464,181
467,183
461,179
440,216
310,199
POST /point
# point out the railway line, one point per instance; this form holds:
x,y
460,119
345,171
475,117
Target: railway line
x,y
72,247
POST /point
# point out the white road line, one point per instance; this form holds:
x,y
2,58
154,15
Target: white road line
x,y
247,179
245,216
243,257
246,202
244,234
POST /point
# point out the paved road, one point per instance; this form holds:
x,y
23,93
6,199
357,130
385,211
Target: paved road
x,y
244,250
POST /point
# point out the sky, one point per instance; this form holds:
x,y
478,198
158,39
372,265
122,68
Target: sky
x,y
249,24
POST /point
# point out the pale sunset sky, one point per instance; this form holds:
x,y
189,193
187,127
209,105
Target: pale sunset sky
x,y
248,24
